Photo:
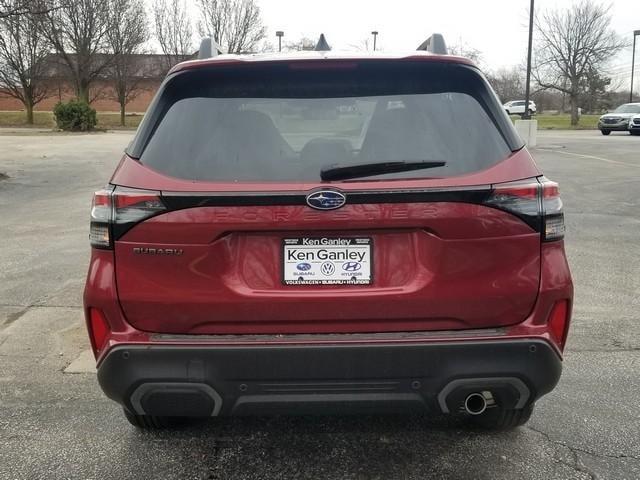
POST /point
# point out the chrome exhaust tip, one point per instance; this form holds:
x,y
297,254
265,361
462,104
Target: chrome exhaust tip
x,y
475,404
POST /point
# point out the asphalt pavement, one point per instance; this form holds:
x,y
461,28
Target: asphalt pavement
x,y
55,424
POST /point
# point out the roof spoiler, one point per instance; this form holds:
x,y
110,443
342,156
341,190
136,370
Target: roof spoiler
x,y
434,44
209,48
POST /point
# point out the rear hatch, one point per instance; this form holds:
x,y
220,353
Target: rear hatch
x,y
253,200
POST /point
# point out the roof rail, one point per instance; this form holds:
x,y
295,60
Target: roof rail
x,y
208,48
322,45
434,44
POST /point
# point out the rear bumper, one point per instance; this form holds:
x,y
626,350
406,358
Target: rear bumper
x,y
329,378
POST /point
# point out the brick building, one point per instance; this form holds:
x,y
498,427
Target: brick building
x,y
149,71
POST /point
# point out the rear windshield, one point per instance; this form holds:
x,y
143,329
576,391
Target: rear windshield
x,y
288,122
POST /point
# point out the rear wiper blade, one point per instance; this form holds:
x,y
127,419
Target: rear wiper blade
x,y
344,172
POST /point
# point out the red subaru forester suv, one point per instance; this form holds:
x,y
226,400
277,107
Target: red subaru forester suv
x,y
330,233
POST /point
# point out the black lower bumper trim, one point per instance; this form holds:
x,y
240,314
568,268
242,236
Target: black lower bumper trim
x,y
301,379
619,128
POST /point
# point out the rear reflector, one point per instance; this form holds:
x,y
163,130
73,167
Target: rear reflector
x,y
116,210
558,322
98,330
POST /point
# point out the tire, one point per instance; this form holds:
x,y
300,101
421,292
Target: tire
x,y
605,132
150,422
531,113
634,132
501,418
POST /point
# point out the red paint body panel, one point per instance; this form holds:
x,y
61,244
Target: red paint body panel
x,y
436,266
100,292
555,285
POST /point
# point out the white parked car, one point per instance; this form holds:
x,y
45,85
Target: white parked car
x,y
516,107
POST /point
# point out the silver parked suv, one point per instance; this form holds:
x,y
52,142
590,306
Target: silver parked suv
x,y
619,119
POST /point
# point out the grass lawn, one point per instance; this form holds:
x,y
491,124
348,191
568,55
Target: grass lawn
x,y
111,120
107,120
563,122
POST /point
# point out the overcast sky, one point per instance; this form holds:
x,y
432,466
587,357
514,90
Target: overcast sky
x,y
498,28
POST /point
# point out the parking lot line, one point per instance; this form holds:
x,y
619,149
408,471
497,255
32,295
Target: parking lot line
x,y
606,160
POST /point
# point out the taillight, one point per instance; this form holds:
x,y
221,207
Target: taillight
x,y
116,210
98,329
558,322
536,201
521,198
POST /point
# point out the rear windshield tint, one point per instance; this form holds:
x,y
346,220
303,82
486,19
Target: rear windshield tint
x,y
288,122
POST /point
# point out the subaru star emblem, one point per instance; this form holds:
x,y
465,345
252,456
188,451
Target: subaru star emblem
x,y
326,200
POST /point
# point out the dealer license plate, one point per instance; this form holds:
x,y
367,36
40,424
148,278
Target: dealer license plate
x,y
327,261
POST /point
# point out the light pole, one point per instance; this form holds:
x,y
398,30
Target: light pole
x,y
633,63
526,115
375,35
279,34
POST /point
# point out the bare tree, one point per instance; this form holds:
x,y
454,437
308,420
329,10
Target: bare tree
x,y
303,44
464,50
363,45
546,100
77,29
572,43
12,8
173,30
9,8
23,54
126,37
508,83
235,24
593,89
